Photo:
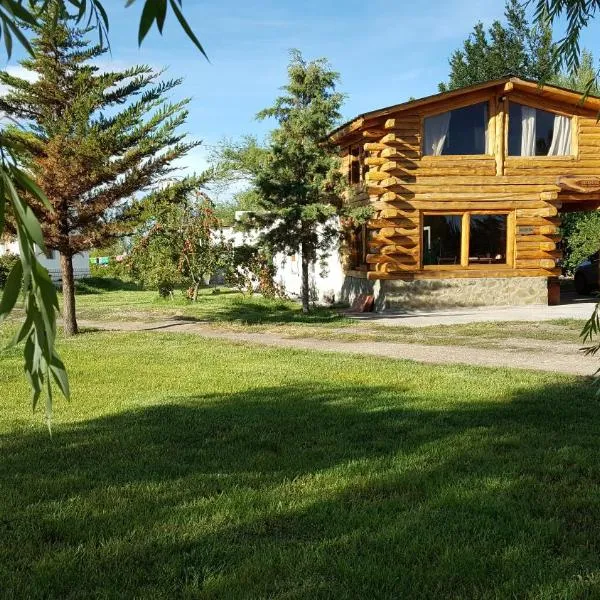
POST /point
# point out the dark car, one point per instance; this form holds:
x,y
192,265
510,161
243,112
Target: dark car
x,y
586,275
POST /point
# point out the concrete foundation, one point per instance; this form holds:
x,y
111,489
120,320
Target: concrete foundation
x,y
433,294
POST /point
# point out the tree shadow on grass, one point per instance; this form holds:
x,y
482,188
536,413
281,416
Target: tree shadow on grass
x,y
100,285
260,311
309,492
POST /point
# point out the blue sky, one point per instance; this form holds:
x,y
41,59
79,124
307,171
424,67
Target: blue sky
x,y
385,52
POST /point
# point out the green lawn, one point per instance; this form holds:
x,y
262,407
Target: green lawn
x,y
100,301
187,468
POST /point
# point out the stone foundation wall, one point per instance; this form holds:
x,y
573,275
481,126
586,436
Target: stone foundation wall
x,y
359,286
424,294
432,294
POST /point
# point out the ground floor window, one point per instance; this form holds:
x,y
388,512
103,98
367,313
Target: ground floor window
x,y
487,239
442,239
464,239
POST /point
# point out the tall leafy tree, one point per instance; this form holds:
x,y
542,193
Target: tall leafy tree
x,y
300,185
179,244
92,140
582,77
515,48
235,165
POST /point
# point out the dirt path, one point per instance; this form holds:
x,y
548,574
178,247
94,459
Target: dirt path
x,y
556,358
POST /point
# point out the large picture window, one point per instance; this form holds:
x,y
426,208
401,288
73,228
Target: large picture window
x,y
442,239
465,239
535,132
487,239
459,131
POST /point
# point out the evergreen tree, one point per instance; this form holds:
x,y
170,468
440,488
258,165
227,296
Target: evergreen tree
x,y
516,48
94,141
300,184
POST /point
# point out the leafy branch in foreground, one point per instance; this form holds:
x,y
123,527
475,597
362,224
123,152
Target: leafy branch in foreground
x,y
15,15
591,330
578,14
38,332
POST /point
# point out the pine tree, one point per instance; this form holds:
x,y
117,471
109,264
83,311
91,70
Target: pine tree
x,y
516,48
300,184
94,141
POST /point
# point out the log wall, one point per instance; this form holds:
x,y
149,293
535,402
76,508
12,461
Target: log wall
x,y
402,185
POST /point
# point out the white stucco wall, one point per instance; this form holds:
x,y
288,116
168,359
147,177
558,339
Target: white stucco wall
x,y
81,261
326,276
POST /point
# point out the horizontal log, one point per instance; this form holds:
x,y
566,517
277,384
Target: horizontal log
x,y
373,134
543,263
407,275
550,197
408,175
526,246
398,153
443,197
399,212
391,139
540,162
487,185
539,222
402,122
374,146
538,254
393,223
397,260
402,231
376,175
499,206
554,171
405,131
538,237
378,242
397,250
375,161
549,211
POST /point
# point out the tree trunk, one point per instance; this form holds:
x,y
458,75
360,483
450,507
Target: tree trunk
x,y
305,280
68,288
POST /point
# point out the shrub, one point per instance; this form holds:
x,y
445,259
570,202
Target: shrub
x,y
253,271
6,264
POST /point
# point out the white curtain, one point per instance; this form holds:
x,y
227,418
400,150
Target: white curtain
x,y
528,131
561,137
436,132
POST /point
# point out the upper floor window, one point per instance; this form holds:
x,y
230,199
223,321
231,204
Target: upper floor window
x,y
535,132
459,131
357,169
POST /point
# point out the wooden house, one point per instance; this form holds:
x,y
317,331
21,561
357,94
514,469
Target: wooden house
x,y
467,189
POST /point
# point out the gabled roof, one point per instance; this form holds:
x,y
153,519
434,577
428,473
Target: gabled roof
x,y
554,92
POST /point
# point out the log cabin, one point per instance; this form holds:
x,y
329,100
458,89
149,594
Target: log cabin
x,y
467,188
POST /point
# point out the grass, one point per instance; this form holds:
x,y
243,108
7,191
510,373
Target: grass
x,y
185,468
104,301
217,306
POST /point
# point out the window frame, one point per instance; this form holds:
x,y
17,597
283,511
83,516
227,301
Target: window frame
x,y
463,103
531,103
465,240
357,161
